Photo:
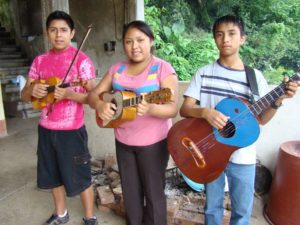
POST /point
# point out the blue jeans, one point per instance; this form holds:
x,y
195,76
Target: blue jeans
x,y
241,189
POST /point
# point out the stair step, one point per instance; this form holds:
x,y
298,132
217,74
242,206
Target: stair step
x,y
4,34
7,79
11,88
10,48
11,97
8,63
22,70
30,113
11,55
8,53
19,105
12,64
20,109
7,40
21,60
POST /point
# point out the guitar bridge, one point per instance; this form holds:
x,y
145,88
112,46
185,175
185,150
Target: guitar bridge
x,y
195,152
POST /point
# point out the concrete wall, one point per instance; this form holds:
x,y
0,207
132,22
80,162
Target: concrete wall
x,y
108,19
283,127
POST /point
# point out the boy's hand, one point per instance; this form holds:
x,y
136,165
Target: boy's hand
x,y
62,93
215,118
291,88
39,90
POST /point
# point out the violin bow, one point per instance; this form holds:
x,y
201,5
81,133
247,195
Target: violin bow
x,y
75,57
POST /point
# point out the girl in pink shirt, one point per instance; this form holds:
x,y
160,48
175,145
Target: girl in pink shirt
x,y
63,155
141,148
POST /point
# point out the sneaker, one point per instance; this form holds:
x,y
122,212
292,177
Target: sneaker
x,y
91,221
56,220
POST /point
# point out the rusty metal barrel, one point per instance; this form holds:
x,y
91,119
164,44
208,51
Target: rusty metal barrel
x,y
283,206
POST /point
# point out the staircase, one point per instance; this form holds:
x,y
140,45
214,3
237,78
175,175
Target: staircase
x,y
13,63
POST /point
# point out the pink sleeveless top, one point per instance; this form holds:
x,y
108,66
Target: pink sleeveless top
x,y
143,130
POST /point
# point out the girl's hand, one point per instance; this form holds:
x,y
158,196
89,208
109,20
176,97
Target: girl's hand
x,y
105,110
143,108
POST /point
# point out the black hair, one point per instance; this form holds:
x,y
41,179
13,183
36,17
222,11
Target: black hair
x,y
141,26
60,15
238,21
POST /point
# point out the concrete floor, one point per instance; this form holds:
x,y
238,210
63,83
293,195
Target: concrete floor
x,y
22,203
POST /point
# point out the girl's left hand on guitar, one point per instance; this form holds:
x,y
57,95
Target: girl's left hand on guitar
x,y
105,110
143,108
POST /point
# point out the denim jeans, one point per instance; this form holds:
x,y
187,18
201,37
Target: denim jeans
x,y
241,189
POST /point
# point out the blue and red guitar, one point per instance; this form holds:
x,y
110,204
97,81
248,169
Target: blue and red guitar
x,y
202,152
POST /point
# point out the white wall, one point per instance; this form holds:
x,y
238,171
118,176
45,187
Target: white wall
x,y
285,126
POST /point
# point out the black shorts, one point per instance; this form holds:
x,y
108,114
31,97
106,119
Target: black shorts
x,y
63,159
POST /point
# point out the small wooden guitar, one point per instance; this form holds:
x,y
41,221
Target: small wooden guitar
x,y
202,152
39,103
126,102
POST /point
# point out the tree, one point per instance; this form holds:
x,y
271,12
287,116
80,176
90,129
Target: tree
x,y
184,33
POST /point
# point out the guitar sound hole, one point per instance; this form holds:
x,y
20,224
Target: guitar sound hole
x,y
227,131
114,102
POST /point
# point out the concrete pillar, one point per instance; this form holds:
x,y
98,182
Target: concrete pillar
x,y
49,6
3,129
139,10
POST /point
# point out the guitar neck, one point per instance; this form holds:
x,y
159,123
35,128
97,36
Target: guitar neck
x,y
135,100
132,101
160,96
263,103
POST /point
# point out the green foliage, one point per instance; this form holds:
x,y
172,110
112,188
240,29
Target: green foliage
x,y
275,76
5,18
174,11
272,27
270,40
185,52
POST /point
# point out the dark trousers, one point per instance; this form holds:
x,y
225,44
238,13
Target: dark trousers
x,y
142,171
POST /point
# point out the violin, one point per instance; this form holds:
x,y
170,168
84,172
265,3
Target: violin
x,y
39,103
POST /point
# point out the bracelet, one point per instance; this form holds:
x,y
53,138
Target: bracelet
x,y
274,106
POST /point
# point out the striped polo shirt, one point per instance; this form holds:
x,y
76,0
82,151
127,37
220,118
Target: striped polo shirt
x,y
214,82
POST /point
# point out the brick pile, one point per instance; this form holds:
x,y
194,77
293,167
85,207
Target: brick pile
x,y
184,206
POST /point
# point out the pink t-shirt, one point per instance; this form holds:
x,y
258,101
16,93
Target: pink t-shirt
x,y
65,114
143,130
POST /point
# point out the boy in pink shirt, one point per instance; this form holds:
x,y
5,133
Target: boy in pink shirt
x,y
63,155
